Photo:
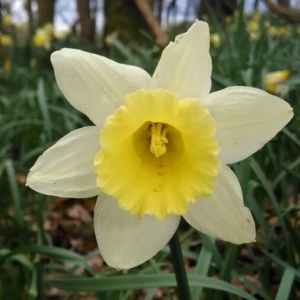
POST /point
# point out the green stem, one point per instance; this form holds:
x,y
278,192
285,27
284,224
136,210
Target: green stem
x,y
179,269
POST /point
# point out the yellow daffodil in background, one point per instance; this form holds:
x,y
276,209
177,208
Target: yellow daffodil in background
x,y
159,147
5,40
40,38
274,82
43,36
283,31
253,27
6,20
215,40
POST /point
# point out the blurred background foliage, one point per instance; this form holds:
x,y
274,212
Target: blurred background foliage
x,y
47,244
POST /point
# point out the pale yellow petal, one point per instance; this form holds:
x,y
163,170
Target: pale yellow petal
x,y
66,168
185,65
223,214
246,119
93,84
125,241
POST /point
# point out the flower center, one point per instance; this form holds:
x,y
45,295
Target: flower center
x,y
158,143
158,154
158,139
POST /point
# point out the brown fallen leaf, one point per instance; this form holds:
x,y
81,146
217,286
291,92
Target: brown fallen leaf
x,y
77,211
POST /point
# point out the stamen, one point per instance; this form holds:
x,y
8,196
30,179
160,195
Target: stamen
x,y
158,139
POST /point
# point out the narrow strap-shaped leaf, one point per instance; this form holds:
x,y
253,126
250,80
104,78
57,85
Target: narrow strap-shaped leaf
x,y
202,268
133,282
285,285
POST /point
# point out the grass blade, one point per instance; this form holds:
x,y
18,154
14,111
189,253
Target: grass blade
x,y
127,282
42,100
202,268
252,286
18,215
267,186
53,252
285,285
282,264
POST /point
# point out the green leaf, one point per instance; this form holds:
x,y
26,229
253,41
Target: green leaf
x,y
252,286
54,252
202,268
224,82
282,263
292,136
18,215
285,285
42,100
127,282
267,186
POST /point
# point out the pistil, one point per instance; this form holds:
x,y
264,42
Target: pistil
x,y
158,139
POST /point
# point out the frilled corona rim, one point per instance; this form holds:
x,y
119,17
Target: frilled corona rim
x,y
158,153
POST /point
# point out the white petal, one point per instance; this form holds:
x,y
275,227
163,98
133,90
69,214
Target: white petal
x,y
223,215
185,65
93,84
66,169
246,119
124,240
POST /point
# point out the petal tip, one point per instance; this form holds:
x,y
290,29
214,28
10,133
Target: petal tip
x,y
28,179
201,25
31,180
55,55
247,239
63,54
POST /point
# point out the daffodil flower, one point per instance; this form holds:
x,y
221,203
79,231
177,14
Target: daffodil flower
x,y
159,147
6,20
5,40
274,82
43,36
215,40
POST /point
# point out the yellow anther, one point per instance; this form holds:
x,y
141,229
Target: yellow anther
x,y
158,139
